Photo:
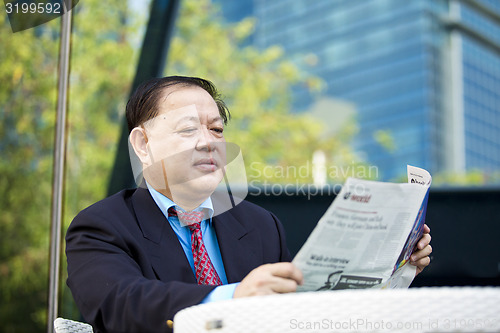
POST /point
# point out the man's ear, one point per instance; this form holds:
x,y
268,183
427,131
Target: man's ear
x,y
139,140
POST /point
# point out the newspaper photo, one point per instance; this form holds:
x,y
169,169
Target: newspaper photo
x,y
366,237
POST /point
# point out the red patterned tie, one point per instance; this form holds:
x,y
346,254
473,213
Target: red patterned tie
x,y
205,271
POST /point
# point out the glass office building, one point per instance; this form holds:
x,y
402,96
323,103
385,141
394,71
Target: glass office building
x,y
425,73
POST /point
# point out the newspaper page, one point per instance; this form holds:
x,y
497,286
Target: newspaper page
x,y
366,236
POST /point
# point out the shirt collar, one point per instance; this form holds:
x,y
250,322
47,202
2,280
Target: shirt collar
x,y
165,203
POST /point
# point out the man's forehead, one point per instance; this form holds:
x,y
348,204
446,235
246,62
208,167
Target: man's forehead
x,y
178,97
183,94
185,113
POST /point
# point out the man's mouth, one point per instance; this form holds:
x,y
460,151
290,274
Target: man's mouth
x,y
206,164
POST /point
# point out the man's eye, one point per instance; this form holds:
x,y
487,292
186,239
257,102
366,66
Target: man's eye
x,y
189,130
218,130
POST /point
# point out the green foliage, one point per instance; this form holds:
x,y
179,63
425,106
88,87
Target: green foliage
x,y
101,68
385,139
257,88
27,101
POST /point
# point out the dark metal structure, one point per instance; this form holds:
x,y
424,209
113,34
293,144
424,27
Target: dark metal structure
x,y
464,226
58,168
151,64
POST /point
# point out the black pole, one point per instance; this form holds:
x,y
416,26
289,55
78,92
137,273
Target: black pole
x,y
58,168
151,64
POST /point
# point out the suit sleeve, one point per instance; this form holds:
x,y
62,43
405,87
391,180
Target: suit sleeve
x,y
111,288
285,253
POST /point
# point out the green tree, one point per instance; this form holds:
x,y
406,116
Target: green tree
x,y
27,101
257,87
101,67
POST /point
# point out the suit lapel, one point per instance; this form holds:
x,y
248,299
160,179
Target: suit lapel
x,y
162,245
239,248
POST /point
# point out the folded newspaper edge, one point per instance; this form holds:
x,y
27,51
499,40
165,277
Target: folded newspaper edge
x,y
367,235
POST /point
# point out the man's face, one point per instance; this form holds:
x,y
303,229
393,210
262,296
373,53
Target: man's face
x,y
185,146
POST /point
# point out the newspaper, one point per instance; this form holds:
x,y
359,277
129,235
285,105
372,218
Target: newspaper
x,y
366,237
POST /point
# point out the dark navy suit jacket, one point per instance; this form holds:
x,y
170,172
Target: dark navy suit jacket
x,y
128,272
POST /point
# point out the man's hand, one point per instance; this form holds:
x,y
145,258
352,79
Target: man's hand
x,y
268,279
420,256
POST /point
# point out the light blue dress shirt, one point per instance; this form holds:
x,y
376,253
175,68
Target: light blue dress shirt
x,y
183,233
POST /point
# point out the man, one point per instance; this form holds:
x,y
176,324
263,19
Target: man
x,y
139,256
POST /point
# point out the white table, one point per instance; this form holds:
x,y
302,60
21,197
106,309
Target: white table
x,y
444,309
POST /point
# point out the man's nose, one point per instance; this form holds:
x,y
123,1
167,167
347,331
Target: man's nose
x,y
205,141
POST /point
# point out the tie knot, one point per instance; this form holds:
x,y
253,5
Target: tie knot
x,y
187,218
194,226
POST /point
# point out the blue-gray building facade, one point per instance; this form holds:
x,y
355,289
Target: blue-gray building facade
x,y
426,72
